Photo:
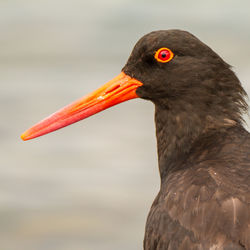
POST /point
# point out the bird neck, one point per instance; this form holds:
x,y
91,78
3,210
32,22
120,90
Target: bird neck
x,y
176,133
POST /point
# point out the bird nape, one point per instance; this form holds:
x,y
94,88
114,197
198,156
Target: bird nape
x,y
203,148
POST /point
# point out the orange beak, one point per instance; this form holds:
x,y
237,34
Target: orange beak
x,y
119,89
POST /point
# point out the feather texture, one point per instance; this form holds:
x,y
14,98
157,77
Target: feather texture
x,y
205,204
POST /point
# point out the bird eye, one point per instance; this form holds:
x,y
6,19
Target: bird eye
x,y
164,55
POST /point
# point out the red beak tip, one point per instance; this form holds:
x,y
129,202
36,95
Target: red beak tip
x,y
24,137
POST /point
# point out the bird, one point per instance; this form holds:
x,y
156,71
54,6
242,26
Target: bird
x,y
202,145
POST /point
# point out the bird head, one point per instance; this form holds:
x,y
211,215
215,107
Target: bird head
x,y
190,74
174,70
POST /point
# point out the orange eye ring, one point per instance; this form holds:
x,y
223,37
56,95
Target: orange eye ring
x,y
164,55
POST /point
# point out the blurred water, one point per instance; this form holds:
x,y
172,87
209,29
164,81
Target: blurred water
x,y
88,186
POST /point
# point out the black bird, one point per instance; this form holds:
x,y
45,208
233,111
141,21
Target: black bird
x,y
203,148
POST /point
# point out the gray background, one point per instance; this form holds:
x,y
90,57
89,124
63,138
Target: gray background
x,y
90,185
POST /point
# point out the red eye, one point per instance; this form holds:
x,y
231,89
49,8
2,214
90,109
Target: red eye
x,y
164,55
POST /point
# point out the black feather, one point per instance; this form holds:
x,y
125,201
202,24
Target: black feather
x,y
203,149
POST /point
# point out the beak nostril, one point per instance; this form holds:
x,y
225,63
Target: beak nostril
x,y
112,89
100,97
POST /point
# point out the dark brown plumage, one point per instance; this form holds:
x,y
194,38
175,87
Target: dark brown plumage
x,y
203,149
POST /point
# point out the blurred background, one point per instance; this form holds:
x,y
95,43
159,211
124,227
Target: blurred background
x,y
90,185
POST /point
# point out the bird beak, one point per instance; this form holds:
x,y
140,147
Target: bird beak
x,y
119,89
